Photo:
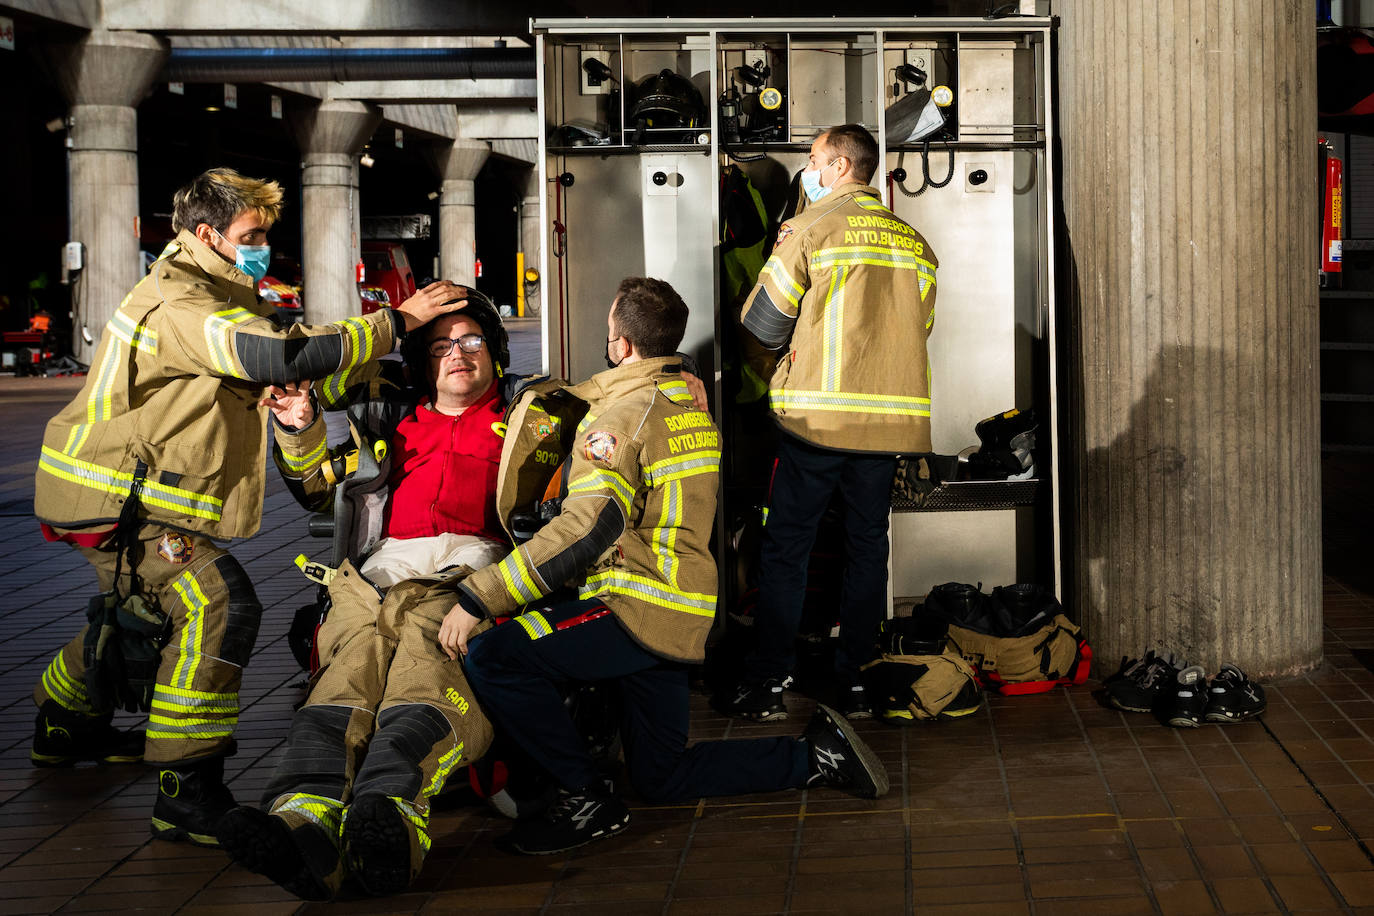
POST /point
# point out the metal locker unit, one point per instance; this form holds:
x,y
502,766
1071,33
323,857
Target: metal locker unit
x,y
644,198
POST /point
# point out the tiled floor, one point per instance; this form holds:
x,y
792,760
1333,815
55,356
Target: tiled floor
x,y
1049,804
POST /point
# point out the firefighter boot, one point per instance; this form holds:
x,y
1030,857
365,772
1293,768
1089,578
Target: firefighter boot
x,y
61,737
190,801
296,846
385,842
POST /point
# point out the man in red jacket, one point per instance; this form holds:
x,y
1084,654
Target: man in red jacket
x,y
441,509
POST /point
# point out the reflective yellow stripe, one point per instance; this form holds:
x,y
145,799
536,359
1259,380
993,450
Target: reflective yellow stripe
x,y
869,203
326,813
782,280
665,535
360,336
848,402
535,624
139,338
301,462
676,391
192,632
515,573
98,403
705,461
67,691
109,480
604,480
441,770
832,354
219,334
417,820
849,255
194,696
620,582
926,280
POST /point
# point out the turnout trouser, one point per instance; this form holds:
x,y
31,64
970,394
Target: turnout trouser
x,y
519,668
388,713
215,615
804,478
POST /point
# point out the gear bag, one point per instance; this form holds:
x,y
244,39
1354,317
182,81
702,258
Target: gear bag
x,y
918,676
123,650
1017,638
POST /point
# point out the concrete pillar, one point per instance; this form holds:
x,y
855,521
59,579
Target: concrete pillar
x,y
1188,136
330,136
458,164
532,238
104,76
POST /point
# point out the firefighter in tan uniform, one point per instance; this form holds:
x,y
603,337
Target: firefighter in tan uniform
x,y
848,296
161,451
633,537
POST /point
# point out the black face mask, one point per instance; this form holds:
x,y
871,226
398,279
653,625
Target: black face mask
x,y
609,362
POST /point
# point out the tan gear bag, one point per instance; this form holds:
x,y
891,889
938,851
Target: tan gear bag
x,y
915,688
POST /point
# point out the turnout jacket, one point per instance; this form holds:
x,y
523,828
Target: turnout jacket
x,y
635,526
174,391
851,288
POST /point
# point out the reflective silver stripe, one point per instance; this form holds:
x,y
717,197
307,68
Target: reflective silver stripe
x,y
219,331
687,466
517,578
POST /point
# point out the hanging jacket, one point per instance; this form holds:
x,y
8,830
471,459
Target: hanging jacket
x,y
174,390
635,525
850,293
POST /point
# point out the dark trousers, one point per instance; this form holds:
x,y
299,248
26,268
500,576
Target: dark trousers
x,y
804,479
517,678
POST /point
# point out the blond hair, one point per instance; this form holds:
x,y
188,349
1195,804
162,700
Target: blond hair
x,y
218,196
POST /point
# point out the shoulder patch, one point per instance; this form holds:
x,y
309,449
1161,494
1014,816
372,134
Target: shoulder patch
x,y
784,231
599,445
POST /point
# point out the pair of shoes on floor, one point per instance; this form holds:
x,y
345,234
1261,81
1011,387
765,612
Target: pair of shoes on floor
x,y
762,701
1228,698
1180,693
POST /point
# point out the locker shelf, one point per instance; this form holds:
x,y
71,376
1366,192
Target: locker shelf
x,y
973,495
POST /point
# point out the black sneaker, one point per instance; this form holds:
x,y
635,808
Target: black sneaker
x,y
264,844
1187,700
190,802
61,737
1136,687
757,700
853,702
840,758
1233,697
377,844
574,820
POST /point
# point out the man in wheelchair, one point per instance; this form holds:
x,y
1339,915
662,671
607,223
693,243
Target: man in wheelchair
x,y
388,717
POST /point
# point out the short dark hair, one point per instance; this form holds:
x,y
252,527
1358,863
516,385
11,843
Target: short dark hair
x,y
218,196
651,314
857,145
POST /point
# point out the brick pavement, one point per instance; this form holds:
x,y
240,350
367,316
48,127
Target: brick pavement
x,y
1049,804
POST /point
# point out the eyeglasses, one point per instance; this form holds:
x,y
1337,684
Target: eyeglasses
x,y
468,343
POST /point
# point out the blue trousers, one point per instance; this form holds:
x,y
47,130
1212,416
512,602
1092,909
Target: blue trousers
x,y
804,479
517,678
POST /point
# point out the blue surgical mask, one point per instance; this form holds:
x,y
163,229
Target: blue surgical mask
x,y
251,259
811,182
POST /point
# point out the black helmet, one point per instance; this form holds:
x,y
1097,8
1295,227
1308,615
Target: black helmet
x,y
668,99
481,310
